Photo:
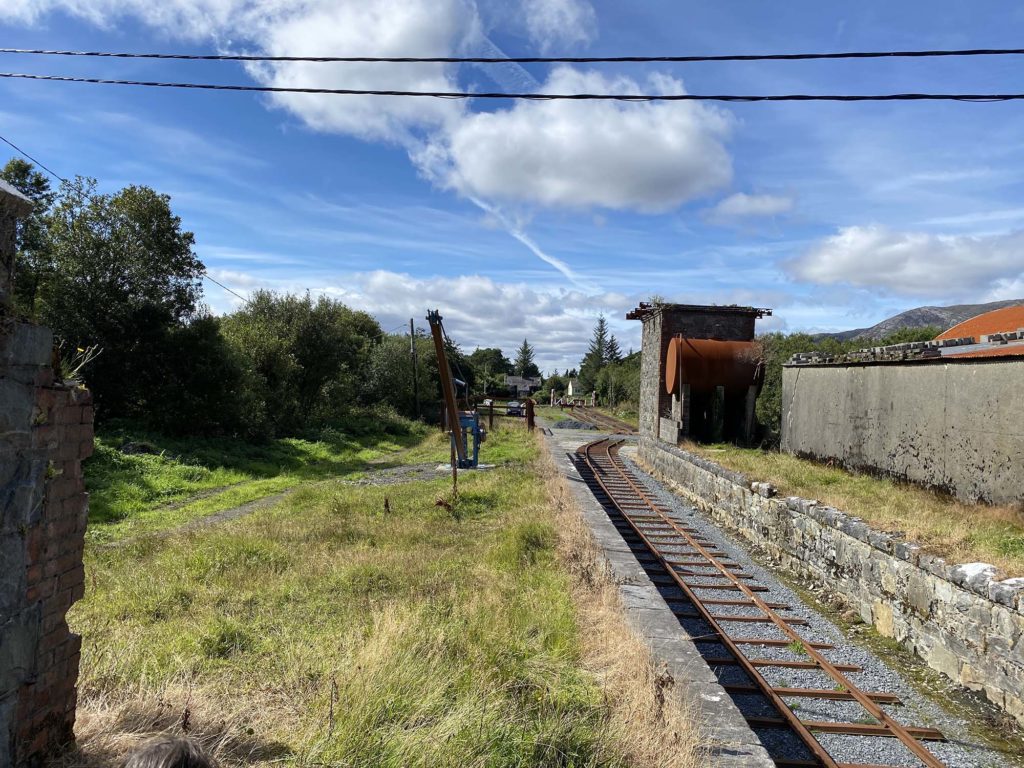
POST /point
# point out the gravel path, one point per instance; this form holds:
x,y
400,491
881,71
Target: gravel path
x,y
963,748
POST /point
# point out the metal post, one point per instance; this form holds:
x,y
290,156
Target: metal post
x,y
415,369
447,386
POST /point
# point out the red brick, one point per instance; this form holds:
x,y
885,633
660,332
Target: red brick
x,y
68,414
72,577
88,415
34,574
70,448
73,544
34,542
60,526
44,377
52,623
44,436
41,591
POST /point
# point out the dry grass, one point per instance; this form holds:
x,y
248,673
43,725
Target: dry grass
x,y
652,726
941,524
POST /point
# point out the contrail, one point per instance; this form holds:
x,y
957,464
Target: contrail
x,y
518,233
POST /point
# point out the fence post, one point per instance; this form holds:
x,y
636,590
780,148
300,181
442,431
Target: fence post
x,y
529,414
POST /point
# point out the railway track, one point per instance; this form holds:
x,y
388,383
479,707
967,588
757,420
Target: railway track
x,y
719,604
603,421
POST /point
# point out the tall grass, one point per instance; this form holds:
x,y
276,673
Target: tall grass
x,y
330,631
947,527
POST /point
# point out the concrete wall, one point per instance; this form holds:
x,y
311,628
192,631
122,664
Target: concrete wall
x,y
45,432
958,619
953,425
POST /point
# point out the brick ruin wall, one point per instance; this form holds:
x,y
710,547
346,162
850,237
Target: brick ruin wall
x,y
46,430
958,618
954,425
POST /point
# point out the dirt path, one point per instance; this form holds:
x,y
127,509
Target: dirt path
x,y
387,476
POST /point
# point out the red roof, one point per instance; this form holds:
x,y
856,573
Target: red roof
x,y
1002,320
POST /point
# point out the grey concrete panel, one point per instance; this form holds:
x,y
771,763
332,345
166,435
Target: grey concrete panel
x,y
950,425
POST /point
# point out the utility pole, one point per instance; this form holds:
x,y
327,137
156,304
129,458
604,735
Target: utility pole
x,y
415,368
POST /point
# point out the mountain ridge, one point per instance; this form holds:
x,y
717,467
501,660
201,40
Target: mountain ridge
x,y
919,317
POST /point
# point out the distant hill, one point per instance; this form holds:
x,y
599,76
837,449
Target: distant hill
x,y
943,317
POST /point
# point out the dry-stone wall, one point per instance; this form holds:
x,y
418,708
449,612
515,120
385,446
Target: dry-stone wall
x,y
45,432
959,619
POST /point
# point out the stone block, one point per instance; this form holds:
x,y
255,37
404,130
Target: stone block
x,y
974,576
1006,592
19,639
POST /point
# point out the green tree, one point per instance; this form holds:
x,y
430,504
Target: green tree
x,y
612,353
524,364
489,365
122,275
308,358
596,356
32,257
389,375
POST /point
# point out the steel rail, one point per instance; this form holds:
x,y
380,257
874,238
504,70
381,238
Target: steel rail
x,y
603,420
780,706
887,725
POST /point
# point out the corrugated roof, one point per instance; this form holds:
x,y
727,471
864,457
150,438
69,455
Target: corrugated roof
x,y
1003,320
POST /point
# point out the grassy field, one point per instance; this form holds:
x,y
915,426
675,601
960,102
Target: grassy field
x,y
179,480
952,529
356,626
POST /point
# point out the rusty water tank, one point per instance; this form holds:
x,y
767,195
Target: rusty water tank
x,y
706,363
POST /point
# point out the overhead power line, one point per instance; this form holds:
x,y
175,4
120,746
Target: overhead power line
x,y
971,97
534,59
29,157
218,283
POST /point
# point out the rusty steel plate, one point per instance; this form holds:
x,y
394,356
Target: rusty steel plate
x,y
672,366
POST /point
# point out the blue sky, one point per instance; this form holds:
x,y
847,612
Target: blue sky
x,y
529,219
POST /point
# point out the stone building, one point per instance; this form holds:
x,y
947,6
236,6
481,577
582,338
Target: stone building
x,y
713,371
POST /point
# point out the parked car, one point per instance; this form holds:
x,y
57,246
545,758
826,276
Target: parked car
x,y
514,408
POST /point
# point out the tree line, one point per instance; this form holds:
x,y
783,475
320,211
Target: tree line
x,y
118,280
604,369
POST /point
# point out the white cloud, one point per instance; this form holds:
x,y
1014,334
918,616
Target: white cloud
x,y
649,157
742,205
379,28
551,23
914,263
558,323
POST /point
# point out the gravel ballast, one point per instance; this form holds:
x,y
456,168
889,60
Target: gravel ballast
x,y
963,748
